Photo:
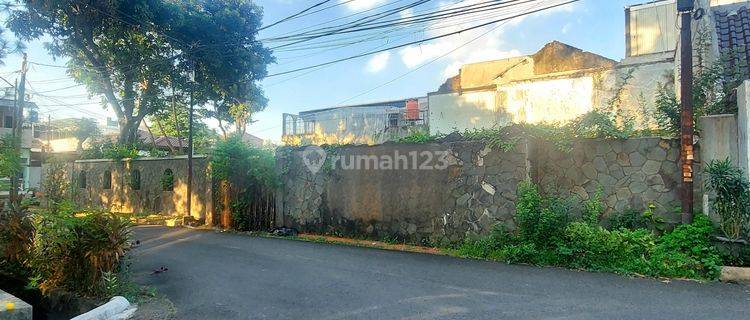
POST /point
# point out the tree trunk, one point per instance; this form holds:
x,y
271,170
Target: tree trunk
x,y
128,132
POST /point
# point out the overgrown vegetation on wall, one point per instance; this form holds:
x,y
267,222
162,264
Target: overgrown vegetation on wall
x,y
713,84
118,151
547,235
249,172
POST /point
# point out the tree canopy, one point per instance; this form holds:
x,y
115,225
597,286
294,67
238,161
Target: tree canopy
x,y
138,53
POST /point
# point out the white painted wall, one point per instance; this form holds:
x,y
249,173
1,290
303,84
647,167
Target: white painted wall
x,y
453,111
547,101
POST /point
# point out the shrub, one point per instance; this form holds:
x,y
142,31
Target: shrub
x,y
732,198
540,220
420,136
634,220
74,253
593,208
687,252
110,150
592,247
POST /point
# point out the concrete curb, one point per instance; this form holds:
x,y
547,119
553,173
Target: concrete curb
x,y
735,274
117,308
12,308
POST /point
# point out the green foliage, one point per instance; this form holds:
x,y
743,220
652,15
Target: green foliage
x,y
420,136
73,253
540,220
593,208
111,150
545,238
712,89
104,40
496,139
732,197
667,110
167,180
173,122
10,157
599,125
634,220
587,246
243,165
82,129
687,252
56,184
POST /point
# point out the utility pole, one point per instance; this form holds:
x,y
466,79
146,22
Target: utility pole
x,y
49,132
685,9
20,94
191,80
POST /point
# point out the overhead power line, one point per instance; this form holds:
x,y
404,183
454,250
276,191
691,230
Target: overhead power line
x,y
421,41
291,17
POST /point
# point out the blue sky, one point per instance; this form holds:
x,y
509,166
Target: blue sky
x,y
592,25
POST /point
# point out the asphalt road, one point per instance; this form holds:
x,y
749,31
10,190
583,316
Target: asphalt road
x,y
224,276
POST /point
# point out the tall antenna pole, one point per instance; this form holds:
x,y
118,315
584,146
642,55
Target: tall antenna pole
x,y
687,155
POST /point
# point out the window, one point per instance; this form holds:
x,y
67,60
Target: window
x,y
107,180
8,122
135,180
82,179
393,119
167,180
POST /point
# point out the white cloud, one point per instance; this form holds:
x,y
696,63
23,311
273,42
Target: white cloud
x,y
489,47
358,5
378,62
566,28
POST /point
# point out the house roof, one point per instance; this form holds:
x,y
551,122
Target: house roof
x,y
401,103
733,31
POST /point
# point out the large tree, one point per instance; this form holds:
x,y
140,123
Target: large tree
x,y
82,129
137,53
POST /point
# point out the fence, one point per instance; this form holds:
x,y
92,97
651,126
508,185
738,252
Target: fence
x,y
473,191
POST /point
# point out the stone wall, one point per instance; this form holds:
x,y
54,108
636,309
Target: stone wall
x,y
150,198
477,188
474,191
632,173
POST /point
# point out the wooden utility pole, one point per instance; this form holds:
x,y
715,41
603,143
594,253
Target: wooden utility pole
x,y
20,94
687,155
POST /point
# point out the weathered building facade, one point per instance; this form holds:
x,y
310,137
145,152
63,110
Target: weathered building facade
x,y
369,123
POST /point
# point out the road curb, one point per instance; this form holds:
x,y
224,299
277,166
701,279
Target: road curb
x,y
735,274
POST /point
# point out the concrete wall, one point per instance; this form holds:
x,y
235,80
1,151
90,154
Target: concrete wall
x,y
718,138
547,100
743,124
466,110
475,191
558,98
151,198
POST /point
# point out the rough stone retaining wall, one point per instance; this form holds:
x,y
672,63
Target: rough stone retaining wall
x,y
476,189
631,173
